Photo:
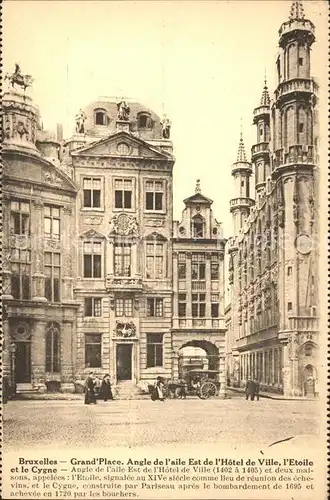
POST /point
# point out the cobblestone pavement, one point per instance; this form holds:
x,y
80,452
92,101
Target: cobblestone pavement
x,y
144,422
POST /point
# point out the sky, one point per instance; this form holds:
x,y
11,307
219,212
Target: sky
x,y
201,62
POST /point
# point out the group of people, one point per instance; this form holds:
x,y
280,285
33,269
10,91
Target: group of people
x,y
94,388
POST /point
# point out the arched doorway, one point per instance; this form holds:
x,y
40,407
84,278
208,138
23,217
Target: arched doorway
x,y
198,354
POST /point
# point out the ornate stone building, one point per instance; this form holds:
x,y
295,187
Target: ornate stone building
x,y
88,261
121,160
273,268
198,291
39,311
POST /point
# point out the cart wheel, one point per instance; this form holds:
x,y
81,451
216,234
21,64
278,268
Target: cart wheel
x,y
207,390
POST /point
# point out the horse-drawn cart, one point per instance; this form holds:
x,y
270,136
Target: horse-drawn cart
x,y
202,383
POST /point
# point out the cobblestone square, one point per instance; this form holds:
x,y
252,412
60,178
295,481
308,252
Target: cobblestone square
x,y
138,423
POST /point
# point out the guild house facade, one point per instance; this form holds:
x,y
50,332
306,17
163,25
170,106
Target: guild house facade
x,y
272,319
93,262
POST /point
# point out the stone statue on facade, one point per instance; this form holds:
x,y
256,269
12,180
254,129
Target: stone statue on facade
x,y
166,127
17,78
80,122
123,110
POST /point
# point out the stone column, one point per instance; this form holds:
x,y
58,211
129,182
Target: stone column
x,y
286,370
222,376
67,250
273,367
38,355
37,258
67,384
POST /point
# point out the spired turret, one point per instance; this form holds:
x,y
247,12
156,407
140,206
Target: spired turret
x,y
295,96
241,204
260,150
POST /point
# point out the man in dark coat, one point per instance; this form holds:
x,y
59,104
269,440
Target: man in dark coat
x,y
89,390
250,389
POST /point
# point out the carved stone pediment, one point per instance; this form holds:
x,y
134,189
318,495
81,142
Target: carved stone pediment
x,y
122,144
155,236
91,233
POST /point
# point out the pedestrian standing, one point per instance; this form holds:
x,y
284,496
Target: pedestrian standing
x,y
250,389
159,389
105,391
90,397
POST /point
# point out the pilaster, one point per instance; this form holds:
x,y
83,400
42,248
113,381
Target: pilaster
x,y
110,258
175,284
67,384
6,356
188,306
38,277
208,285
67,248
38,355
222,377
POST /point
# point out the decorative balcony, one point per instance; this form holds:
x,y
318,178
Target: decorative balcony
x,y
198,286
296,25
260,149
306,85
207,324
296,154
259,112
304,323
123,283
240,202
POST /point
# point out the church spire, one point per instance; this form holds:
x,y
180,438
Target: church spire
x,y
297,11
265,99
241,156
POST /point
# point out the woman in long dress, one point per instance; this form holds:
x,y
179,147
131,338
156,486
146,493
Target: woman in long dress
x,y
106,392
90,397
159,389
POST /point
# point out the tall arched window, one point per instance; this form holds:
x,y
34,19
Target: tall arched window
x,y
53,348
198,227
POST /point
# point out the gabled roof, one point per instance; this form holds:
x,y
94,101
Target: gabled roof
x,y
198,197
137,148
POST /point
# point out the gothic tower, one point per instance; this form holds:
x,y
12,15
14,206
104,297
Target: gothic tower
x,y
241,204
293,173
260,151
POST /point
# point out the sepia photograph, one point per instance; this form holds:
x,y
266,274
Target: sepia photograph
x,y
164,239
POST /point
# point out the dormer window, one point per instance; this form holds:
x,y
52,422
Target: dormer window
x,y
100,117
144,120
198,227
